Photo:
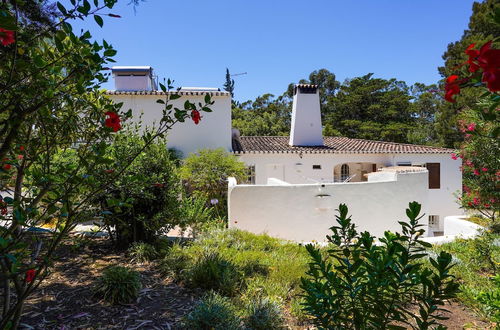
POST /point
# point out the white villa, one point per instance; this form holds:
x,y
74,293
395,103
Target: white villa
x,y
296,182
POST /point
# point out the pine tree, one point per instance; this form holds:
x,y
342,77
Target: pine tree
x,y
229,84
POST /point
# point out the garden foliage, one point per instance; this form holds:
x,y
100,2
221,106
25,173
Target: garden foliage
x,y
362,284
206,174
118,285
213,312
144,201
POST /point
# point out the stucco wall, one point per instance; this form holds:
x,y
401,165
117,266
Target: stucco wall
x,y
441,201
296,212
213,131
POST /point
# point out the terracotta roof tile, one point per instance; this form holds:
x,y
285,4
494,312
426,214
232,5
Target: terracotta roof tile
x,y
333,144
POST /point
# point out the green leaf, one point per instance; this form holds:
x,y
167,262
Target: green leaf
x,y
61,8
98,20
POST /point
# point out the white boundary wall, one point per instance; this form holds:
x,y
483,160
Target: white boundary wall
x,y
296,212
441,202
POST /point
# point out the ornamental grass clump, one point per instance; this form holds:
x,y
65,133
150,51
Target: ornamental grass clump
x,y
118,285
264,314
142,252
213,312
213,272
363,285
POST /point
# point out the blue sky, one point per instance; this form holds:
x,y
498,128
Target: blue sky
x,y
277,42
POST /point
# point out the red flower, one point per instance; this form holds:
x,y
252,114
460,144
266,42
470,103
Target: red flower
x,y
476,172
484,169
20,156
30,275
159,185
489,60
195,116
113,121
6,37
473,54
109,171
3,210
476,201
21,148
471,127
7,167
451,88
454,156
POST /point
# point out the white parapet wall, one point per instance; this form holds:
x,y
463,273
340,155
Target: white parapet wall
x,y
305,212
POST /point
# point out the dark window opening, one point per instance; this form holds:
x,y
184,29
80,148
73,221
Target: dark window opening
x,y
434,175
316,167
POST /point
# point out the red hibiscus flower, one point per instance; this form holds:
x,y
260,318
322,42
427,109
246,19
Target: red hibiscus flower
x,y
195,116
113,121
489,61
30,275
6,37
7,167
473,54
451,88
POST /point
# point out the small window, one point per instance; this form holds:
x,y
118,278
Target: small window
x,y
434,175
404,163
344,172
316,167
251,174
434,221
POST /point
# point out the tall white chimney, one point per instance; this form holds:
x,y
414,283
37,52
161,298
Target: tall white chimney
x,y
306,127
133,78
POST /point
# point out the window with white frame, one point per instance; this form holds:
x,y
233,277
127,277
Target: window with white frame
x,y
434,221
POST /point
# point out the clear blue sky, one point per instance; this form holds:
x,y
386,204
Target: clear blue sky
x,y
278,41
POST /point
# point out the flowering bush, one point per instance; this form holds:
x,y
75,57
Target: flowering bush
x,y
52,106
481,129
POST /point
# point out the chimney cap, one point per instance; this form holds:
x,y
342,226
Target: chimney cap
x,y
306,86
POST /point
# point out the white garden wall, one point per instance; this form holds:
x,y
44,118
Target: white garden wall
x,y
298,168
296,212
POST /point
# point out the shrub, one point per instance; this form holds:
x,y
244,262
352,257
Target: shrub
x,y
175,262
118,285
143,252
213,272
487,252
491,299
195,213
360,284
144,202
264,314
213,312
206,174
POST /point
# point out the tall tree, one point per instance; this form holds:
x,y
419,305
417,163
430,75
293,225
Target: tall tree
x,y
372,108
481,29
229,84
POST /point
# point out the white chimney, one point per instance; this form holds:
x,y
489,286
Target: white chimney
x,y
306,127
133,78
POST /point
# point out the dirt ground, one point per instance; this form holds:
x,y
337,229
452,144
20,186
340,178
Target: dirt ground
x,y
65,299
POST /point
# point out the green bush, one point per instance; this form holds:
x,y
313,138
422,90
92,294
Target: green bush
x,y
206,174
213,312
264,314
118,285
176,261
144,201
487,252
213,272
142,252
360,284
194,211
491,300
